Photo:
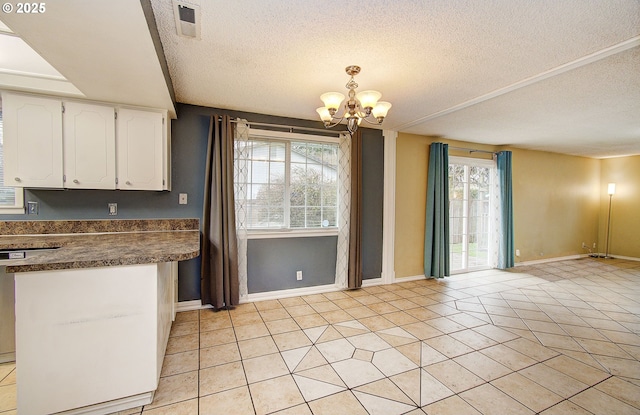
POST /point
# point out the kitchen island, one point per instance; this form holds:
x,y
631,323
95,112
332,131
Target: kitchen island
x,y
94,304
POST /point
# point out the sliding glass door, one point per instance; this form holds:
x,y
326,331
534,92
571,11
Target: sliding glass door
x,y
470,211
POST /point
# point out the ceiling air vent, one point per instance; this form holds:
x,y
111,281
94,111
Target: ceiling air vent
x,y
187,17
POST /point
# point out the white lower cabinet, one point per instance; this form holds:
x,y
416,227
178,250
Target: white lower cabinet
x,y
7,317
91,338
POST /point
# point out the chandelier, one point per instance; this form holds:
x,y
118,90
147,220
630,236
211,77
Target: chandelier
x,y
361,106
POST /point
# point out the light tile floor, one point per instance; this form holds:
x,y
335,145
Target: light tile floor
x,y
555,338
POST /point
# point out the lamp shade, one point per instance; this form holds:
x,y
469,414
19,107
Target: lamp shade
x,y
332,100
611,189
324,114
381,109
368,99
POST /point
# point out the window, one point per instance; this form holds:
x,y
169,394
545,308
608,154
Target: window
x,y
292,184
11,199
470,190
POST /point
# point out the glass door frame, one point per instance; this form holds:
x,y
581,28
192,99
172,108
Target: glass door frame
x,y
487,163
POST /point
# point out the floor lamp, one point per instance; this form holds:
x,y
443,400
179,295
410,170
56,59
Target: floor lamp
x,y
611,190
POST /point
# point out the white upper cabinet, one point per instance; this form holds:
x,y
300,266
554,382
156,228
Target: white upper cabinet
x,y
89,146
32,141
140,152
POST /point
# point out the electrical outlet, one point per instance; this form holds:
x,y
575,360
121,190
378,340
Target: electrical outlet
x,y
32,208
182,199
517,252
584,246
113,209
299,275
594,245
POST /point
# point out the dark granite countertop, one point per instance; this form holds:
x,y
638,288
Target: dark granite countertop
x,y
130,242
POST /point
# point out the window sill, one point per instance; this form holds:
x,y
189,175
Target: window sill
x,y
11,211
286,233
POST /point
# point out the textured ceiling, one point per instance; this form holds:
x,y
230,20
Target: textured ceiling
x,y
560,76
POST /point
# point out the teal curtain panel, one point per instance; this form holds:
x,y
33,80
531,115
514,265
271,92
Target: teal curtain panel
x,y
506,254
436,235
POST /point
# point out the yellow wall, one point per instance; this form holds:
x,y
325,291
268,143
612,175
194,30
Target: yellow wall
x,y
412,153
556,201
624,237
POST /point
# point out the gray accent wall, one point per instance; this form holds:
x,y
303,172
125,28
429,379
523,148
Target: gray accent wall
x,y
188,151
372,202
272,263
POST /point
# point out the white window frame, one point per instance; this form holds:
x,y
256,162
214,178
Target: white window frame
x,y
287,232
18,207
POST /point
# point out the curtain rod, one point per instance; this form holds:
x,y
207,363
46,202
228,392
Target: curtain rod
x,y
292,127
472,150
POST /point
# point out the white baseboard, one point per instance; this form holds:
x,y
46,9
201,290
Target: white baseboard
x,y
372,281
269,295
7,357
113,406
190,305
628,258
293,292
411,278
554,259
564,258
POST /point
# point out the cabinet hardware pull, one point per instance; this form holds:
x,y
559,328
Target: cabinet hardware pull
x,y
76,181
128,183
17,179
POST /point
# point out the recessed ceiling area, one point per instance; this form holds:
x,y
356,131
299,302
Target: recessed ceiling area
x,y
104,49
22,68
559,76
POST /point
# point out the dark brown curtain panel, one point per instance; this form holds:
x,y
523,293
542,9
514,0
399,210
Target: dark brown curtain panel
x,y
219,269
355,219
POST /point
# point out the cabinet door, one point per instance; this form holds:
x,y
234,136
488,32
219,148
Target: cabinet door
x,y
32,141
139,150
89,146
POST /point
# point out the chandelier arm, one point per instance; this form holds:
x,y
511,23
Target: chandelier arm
x,y
334,124
372,123
362,113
